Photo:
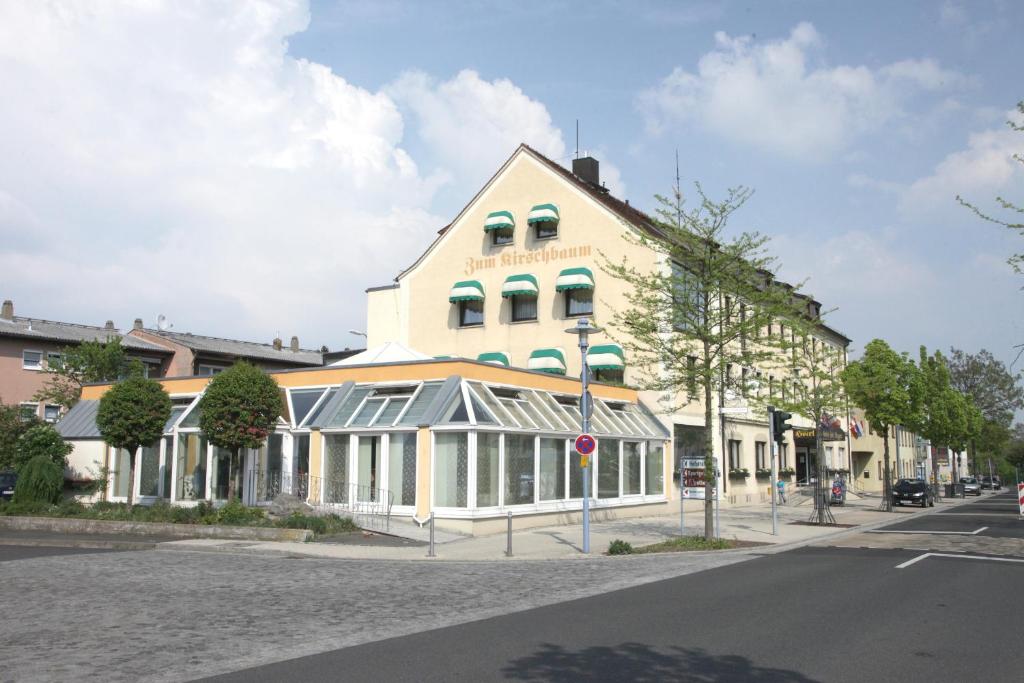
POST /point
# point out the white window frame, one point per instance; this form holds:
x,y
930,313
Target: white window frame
x,y
51,405
211,368
26,404
37,368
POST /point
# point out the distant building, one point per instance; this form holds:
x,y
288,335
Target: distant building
x,y
30,346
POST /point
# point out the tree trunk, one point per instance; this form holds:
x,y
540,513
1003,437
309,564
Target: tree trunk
x,y
709,455
887,482
131,477
231,474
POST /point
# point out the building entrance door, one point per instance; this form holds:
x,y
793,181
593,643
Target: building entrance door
x,y
368,467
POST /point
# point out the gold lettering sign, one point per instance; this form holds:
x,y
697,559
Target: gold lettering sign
x,y
518,258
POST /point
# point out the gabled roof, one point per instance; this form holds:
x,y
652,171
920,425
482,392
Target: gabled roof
x,y
240,349
80,421
390,352
73,333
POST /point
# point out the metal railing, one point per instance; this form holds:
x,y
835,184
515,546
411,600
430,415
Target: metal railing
x,y
370,504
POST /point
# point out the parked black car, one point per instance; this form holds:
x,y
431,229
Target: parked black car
x,y
971,486
914,491
991,483
7,482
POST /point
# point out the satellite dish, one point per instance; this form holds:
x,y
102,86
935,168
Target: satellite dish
x,y
162,324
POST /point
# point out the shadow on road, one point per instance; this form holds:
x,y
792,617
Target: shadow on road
x,y
638,662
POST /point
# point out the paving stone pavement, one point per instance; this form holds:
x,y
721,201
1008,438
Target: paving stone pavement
x,y
171,616
932,542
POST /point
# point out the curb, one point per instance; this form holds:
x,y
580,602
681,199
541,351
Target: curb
x,y
79,543
182,531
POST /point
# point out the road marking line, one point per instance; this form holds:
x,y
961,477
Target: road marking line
x,y
962,557
942,533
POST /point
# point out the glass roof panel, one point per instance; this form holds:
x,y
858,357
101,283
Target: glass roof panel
x,y
176,412
366,414
599,409
391,411
315,413
192,419
558,410
303,400
533,413
456,412
344,411
545,410
482,414
484,394
420,404
517,417
649,422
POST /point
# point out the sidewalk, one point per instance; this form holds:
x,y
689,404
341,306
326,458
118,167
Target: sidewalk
x,y
747,523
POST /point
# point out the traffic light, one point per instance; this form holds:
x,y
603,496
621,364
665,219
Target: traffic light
x,y
780,424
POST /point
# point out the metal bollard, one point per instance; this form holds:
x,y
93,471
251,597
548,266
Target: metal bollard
x,y
508,549
430,552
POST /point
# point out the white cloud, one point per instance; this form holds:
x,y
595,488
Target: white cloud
x,y
984,169
772,96
472,125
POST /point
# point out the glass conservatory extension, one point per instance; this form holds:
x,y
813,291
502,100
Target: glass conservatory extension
x,y
463,448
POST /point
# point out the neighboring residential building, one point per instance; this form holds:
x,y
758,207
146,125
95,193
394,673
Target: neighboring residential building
x,y
908,456
195,354
29,346
520,264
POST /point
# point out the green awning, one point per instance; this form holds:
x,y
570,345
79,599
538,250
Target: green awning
x,y
606,357
466,290
496,357
520,285
543,213
548,360
499,220
574,278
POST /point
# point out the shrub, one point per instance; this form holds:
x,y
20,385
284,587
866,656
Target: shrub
x,y
297,520
40,480
235,513
25,508
70,508
619,547
42,441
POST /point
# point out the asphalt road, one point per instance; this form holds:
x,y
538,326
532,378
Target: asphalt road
x,y
812,614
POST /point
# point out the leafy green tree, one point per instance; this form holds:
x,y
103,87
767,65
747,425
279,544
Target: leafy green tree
x,y
132,414
42,440
995,391
691,327
239,410
41,480
12,426
887,386
1015,218
90,361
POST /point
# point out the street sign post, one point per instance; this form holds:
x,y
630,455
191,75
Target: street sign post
x,y
585,445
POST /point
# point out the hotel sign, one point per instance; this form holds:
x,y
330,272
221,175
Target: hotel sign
x,y
519,258
805,437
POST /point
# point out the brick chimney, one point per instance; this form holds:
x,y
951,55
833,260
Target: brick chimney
x,y
295,344
137,325
588,169
7,312
277,343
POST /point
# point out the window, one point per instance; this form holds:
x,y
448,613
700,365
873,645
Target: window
x,y
471,313
524,307
631,468
579,302
502,237
519,471
743,327
29,411
54,360
209,370
451,469
830,459
608,468
842,458
743,379
546,230
771,387
551,480
654,469
32,360
759,455
687,302
735,458
487,469
51,413
609,376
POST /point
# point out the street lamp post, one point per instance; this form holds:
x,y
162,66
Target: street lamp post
x,y
583,330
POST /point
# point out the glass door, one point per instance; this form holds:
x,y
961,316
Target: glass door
x,y
368,467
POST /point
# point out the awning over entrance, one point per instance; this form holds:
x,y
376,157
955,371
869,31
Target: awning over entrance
x,y
520,285
574,278
499,220
543,213
466,290
496,357
548,360
606,357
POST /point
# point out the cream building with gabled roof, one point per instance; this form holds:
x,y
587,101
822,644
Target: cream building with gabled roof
x,y
520,264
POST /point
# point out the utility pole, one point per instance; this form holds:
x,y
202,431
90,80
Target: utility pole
x,y
583,330
771,456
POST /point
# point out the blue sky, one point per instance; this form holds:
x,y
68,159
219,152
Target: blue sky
x,y
248,169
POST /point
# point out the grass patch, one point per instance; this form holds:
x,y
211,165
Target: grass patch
x,y
677,544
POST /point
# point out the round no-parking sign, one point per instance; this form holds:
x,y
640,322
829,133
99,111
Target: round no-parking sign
x,y
585,444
